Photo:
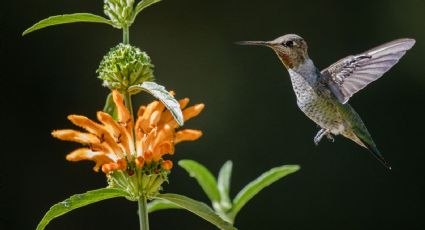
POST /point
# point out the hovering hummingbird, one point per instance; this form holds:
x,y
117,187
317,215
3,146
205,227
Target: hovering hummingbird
x,y
323,95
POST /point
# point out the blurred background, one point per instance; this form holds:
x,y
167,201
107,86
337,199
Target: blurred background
x,y
251,115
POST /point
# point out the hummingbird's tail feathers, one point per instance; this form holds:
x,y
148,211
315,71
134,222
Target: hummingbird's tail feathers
x,y
375,152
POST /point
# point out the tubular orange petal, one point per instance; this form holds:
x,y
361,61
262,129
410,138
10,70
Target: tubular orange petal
x,y
193,111
76,136
154,119
147,155
107,168
85,123
167,165
139,145
101,132
87,154
166,133
140,162
148,140
161,149
123,114
120,134
122,164
141,111
145,119
184,102
188,113
187,135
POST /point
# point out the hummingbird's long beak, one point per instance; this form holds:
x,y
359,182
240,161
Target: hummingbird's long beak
x,y
253,43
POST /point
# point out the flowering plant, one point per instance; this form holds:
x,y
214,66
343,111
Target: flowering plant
x,y
132,149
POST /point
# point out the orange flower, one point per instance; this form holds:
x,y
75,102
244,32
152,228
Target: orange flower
x,y
122,145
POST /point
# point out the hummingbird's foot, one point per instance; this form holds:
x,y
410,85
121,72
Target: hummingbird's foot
x,y
321,134
330,137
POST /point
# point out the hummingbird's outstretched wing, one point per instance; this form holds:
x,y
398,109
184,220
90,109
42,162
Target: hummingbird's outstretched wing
x,y
351,74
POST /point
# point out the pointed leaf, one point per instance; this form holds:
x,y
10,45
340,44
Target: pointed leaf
x,y
110,107
158,205
77,201
66,18
159,92
267,178
204,177
145,3
198,208
224,177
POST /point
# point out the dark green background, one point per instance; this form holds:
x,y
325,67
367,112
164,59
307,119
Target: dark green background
x,y
251,116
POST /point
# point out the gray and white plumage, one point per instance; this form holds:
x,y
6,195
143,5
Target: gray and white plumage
x,y
351,74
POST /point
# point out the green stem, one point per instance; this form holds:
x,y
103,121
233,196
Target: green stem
x,y
126,35
143,213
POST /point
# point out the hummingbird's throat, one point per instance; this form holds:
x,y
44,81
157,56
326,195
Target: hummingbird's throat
x,y
286,60
290,61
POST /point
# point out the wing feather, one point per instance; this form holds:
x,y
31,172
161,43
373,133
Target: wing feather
x,y
351,74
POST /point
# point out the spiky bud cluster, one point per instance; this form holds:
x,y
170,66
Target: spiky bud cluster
x,y
121,12
125,66
140,180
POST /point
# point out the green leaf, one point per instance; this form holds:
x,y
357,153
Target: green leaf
x,y
204,177
159,92
198,208
157,205
267,178
66,18
77,201
110,107
223,183
143,4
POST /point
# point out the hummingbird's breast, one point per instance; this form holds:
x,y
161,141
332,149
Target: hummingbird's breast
x,y
317,106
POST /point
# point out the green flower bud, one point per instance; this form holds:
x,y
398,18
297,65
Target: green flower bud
x,y
125,66
138,182
121,12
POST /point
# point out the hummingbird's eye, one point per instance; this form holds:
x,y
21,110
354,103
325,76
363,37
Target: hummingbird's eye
x,y
288,44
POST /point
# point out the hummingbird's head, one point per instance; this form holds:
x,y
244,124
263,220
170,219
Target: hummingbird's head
x,y
290,48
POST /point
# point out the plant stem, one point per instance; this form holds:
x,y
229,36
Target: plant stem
x,y
129,106
142,202
143,213
126,35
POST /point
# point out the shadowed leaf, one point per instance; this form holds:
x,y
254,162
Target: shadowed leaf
x,y
254,187
204,177
157,205
197,208
78,201
144,4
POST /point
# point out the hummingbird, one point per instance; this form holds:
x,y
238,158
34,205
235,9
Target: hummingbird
x,y
323,95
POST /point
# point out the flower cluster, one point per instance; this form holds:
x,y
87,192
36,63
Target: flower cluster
x,y
120,12
131,153
125,66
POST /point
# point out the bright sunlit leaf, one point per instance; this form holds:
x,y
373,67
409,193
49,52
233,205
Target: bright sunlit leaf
x,y
223,183
159,92
65,19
